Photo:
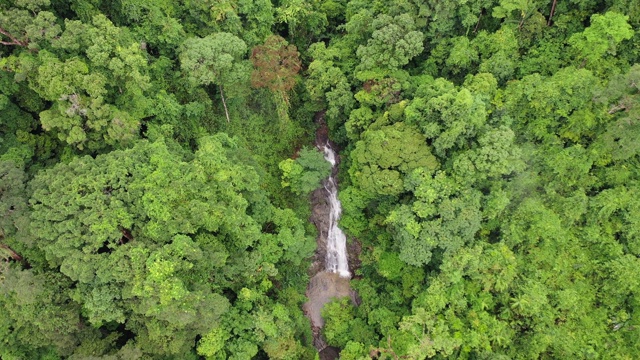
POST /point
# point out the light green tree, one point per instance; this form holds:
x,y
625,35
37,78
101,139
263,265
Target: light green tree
x,y
393,43
385,156
446,115
305,173
215,59
600,39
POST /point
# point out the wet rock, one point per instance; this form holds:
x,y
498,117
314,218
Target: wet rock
x,y
323,288
354,248
329,353
320,209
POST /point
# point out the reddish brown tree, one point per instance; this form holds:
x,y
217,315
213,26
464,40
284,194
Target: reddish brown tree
x,y
276,64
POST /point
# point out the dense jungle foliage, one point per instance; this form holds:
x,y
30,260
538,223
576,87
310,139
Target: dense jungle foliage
x,y
154,179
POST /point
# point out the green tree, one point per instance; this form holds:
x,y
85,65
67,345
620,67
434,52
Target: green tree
x,y
71,74
304,20
615,143
14,211
462,54
38,318
157,22
156,242
305,173
328,86
215,59
340,321
523,9
27,24
601,38
499,52
495,156
393,43
563,99
385,156
448,117
445,215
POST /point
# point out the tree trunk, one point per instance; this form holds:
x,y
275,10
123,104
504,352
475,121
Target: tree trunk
x,y
475,30
553,10
226,111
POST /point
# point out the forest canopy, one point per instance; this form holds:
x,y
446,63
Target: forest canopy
x,y
156,161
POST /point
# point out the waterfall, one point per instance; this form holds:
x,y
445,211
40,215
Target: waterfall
x,y
336,261
330,275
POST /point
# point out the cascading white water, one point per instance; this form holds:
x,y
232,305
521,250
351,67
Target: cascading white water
x,y
336,239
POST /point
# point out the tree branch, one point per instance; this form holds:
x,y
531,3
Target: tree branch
x,y
617,108
522,21
12,254
14,40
